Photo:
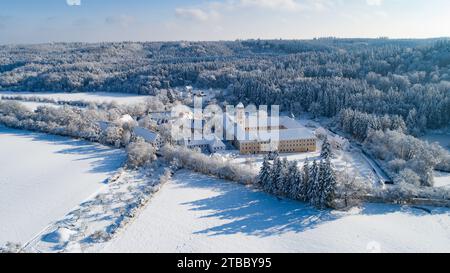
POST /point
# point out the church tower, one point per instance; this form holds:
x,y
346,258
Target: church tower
x,y
240,115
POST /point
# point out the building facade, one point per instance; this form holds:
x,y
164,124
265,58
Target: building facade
x,y
284,135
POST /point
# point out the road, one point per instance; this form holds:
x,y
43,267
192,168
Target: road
x,y
381,175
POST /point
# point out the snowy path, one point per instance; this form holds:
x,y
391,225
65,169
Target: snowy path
x,y
196,213
42,177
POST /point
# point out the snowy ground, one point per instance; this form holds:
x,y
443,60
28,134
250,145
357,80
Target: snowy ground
x,y
32,106
95,221
441,179
99,97
440,136
43,177
354,161
196,213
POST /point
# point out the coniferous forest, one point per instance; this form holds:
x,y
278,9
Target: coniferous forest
x,y
405,81
383,93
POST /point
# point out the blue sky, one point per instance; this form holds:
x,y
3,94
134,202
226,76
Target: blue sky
x,y
31,21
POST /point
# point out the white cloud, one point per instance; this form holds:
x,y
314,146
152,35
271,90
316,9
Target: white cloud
x,y
73,2
214,9
290,5
287,5
197,14
374,2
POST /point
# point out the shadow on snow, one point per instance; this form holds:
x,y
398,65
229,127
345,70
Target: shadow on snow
x,y
252,212
104,159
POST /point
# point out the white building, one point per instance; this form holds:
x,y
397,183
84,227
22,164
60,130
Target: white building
x,y
257,133
144,133
205,145
161,117
149,136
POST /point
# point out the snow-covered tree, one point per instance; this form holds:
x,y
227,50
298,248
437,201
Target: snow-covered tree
x,y
113,135
406,152
294,181
314,184
350,191
11,248
304,186
327,184
326,151
264,177
276,171
278,176
408,176
317,186
140,153
202,163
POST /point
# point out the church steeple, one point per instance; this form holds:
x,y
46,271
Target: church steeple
x,y
240,114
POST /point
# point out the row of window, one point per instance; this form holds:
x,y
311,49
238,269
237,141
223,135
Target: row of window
x,y
291,150
312,141
296,144
248,148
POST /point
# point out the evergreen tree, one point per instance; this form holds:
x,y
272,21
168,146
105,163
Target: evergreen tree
x,y
282,179
277,172
170,96
294,181
328,186
317,194
326,152
303,190
316,186
273,155
264,177
313,185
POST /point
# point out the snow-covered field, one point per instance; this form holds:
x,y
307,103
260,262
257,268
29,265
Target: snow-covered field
x,y
53,197
196,213
43,177
99,97
441,179
32,106
96,220
440,136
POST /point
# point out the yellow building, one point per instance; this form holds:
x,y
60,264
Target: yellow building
x,y
298,140
283,134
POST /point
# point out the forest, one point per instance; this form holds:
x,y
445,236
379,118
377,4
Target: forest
x,y
400,78
381,92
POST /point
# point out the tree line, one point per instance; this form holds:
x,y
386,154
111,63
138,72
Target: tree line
x,y
406,78
314,183
84,123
